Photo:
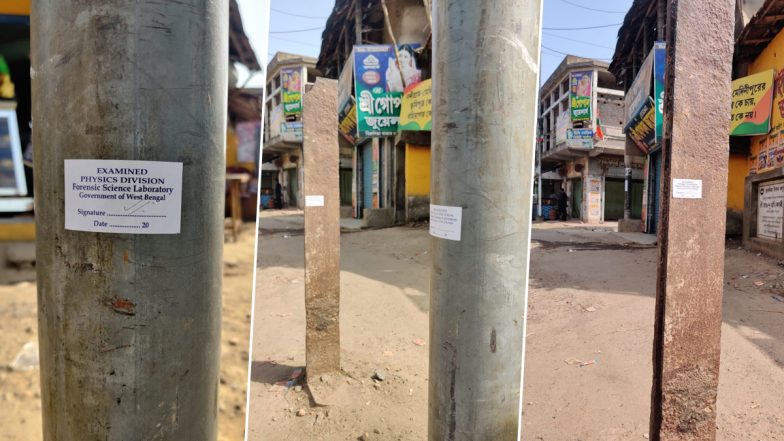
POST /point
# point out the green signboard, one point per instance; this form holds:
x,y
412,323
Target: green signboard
x,y
291,90
378,100
580,96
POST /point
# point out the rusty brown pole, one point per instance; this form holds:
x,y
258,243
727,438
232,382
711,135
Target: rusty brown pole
x,y
322,230
691,257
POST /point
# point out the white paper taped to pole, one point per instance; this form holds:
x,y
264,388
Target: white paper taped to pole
x,y
316,200
446,222
687,188
114,196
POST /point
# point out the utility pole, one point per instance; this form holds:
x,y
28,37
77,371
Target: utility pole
x,y
358,21
129,323
322,232
484,129
689,290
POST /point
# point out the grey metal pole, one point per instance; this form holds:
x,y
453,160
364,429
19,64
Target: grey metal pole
x,y
129,324
484,128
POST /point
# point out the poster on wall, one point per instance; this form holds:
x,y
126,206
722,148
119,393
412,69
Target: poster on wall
x,y
416,113
378,98
752,101
580,96
275,119
347,120
248,141
594,197
640,89
770,210
642,128
291,90
376,187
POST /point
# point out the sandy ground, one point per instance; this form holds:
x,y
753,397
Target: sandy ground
x,y
591,300
20,419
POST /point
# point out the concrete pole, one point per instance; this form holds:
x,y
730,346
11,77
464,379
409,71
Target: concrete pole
x,y
129,324
484,130
691,255
322,229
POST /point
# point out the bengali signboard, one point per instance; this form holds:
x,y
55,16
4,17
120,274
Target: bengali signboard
x,y
660,61
770,210
642,127
579,138
752,101
580,96
291,90
378,97
416,112
291,131
347,120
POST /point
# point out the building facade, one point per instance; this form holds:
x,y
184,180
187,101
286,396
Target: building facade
x,y
389,178
289,76
643,29
581,143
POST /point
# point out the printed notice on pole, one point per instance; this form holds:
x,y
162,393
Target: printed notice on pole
x,y
687,188
770,210
316,200
132,197
446,222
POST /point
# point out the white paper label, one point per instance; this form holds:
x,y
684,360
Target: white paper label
x,y
770,210
133,197
316,200
446,222
687,188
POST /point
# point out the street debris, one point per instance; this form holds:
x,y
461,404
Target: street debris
x,y
379,375
576,361
419,342
26,359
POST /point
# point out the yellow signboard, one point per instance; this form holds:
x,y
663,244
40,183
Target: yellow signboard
x,y
14,7
752,100
416,112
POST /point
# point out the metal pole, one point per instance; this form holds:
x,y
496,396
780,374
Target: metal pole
x,y
129,324
484,129
539,180
687,333
358,22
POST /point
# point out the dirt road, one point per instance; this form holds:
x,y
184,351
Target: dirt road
x,y
591,301
19,390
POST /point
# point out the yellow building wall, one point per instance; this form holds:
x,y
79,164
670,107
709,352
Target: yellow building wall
x,y
417,170
231,147
738,170
767,151
14,7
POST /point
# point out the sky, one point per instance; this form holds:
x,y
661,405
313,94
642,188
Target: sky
x,y
295,26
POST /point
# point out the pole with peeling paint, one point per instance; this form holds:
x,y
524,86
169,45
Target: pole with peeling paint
x,y
485,81
687,334
129,324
